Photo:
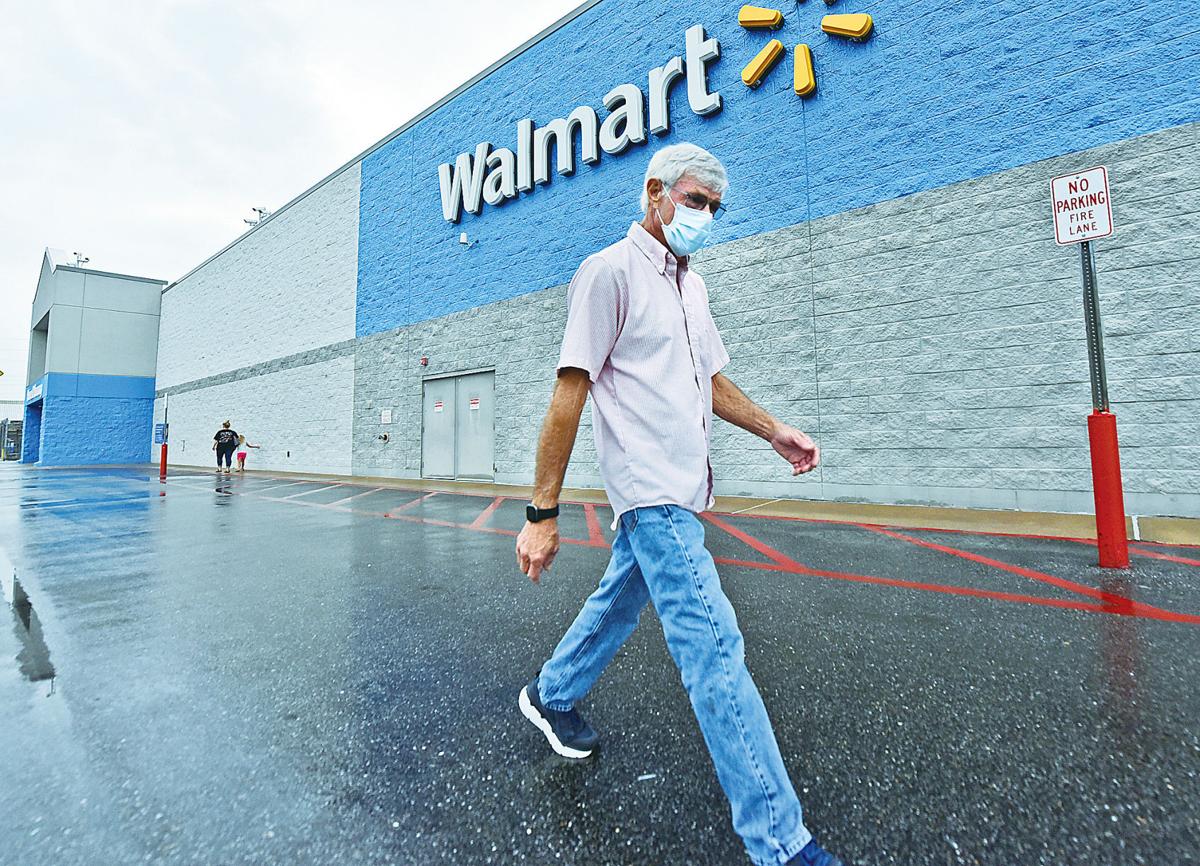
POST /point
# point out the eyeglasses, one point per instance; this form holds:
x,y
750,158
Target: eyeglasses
x,y
696,201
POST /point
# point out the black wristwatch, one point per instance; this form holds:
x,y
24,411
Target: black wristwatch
x,y
534,514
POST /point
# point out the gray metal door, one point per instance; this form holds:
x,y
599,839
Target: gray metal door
x,y
475,413
437,431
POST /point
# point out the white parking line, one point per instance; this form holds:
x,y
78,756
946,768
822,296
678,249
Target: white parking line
x,y
752,507
277,486
59,504
355,496
307,492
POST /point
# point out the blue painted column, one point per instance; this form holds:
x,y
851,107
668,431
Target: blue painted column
x,y
31,433
87,420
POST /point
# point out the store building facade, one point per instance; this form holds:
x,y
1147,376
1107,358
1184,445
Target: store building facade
x,y
886,277
93,347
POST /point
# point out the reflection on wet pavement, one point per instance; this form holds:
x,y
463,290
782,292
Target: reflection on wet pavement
x,y
259,670
1120,663
34,658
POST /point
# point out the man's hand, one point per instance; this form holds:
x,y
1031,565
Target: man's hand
x,y
537,545
796,448
735,407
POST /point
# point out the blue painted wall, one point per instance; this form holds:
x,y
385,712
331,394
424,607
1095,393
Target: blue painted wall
x,y
86,419
94,385
942,92
31,433
81,431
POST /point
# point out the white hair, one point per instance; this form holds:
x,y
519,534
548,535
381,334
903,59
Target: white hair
x,y
676,160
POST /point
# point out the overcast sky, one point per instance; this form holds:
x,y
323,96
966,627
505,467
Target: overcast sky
x,y
141,132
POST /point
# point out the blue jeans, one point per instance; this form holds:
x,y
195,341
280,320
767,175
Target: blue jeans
x,y
659,555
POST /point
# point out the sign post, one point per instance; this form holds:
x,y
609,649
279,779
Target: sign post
x,y
1082,214
160,436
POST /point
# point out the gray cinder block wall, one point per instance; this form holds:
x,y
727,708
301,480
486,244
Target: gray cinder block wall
x,y
933,344
262,334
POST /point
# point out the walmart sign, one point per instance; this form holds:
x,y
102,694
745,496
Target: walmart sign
x,y
490,176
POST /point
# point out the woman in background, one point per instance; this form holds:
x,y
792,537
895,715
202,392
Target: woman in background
x,y
225,440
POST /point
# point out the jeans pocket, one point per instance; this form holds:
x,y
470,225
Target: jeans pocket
x,y
629,520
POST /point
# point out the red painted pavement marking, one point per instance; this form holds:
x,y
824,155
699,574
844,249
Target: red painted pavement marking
x,y
1112,599
395,512
1169,557
782,563
1123,607
410,504
861,525
600,542
1042,577
484,516
929,587
1090,542
259,475
595,533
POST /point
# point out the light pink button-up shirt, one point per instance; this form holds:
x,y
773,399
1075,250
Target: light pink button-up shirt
x,y
638,323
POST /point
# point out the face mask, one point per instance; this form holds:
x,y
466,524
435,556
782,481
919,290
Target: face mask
x,y
688,230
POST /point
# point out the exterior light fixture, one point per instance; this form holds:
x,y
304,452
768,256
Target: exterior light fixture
x,y
261,213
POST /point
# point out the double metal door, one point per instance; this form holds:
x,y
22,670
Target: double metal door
x,y
458,437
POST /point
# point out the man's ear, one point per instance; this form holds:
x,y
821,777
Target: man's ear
x,y
654,188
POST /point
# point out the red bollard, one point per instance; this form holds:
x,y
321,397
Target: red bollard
x,y
162,464
1106,486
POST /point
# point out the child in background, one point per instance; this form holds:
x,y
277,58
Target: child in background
x,y
243,444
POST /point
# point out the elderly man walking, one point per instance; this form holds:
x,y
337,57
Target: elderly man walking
x,y
641,340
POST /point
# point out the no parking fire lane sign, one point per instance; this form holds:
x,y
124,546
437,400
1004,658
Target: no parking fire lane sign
x,y
1082,214
1082,206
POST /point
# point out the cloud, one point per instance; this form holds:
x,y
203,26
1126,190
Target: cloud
x,y
148,129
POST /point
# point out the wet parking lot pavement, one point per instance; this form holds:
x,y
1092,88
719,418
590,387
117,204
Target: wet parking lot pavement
x,y
272,671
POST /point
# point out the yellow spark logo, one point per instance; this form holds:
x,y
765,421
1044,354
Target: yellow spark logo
x,y
855,26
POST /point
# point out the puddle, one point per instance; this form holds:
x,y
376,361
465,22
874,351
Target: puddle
x,y
33,660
